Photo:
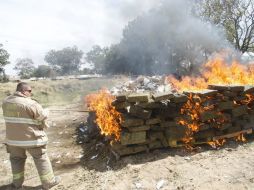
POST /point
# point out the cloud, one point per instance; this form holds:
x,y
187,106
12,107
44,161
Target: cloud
x,y
30,28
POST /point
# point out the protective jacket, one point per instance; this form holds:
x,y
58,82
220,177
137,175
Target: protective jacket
x,y
25,120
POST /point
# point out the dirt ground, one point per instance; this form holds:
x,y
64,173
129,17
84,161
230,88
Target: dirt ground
x,y
87,166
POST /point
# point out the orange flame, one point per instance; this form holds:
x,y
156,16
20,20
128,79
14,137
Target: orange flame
x,y
241,138
193,108
217,143
107,118
249,100
216,71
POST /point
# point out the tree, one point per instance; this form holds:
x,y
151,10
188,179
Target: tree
x,y
237,18
25,67
66,61
4,60
43,71
116,62
4,57
97,57
166,40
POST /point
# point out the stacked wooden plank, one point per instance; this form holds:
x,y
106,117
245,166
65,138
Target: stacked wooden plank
x,y
232,102
146,117
163,120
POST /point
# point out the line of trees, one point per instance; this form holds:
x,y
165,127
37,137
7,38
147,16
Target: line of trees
x,y
60,62
66,61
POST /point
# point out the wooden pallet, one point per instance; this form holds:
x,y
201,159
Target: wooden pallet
x,y
175,143
235,134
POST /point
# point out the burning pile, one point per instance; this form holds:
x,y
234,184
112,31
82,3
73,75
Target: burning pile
x,y
216,72
201,113
108,118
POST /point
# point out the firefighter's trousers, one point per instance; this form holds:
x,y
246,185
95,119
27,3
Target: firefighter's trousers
x,y
41,160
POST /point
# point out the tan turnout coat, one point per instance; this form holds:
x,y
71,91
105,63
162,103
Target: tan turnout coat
x,y
25,120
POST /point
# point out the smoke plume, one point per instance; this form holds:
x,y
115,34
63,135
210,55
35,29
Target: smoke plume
x,y
169,39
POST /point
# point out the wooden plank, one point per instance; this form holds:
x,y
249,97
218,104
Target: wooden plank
x,y
139,128
176,144
128,150
121,97
138,97
228,105
155,144
132,122
153,121
162,96
201,93
139,112
128,138
205,141
239,111
247,131
233,88
179,98
120,105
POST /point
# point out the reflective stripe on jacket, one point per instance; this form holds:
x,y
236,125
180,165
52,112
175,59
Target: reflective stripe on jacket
x,y
24,119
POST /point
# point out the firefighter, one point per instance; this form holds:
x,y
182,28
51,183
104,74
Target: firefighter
x,y
25,121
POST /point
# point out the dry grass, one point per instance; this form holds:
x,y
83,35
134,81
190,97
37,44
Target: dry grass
x,y
61,92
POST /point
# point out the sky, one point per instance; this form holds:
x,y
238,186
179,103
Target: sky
x,y
31,28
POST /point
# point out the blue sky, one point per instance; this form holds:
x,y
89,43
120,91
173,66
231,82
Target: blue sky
x,y
30,28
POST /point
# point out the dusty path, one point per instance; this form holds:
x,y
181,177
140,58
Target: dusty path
x,y
230,167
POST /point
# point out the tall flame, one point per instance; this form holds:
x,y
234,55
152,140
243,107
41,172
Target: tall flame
x,y
107,118
216,71
192,110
